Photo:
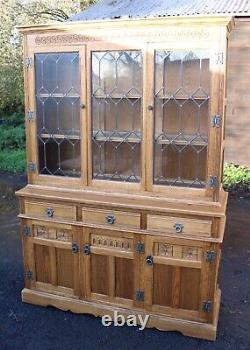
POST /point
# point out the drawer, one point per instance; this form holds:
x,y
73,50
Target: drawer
x,y
111,218
50,210
178,225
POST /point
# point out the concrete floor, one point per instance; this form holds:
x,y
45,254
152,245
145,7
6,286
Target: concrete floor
x,y
28,327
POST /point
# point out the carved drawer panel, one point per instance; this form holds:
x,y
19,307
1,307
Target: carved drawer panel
x,y
59,234
173,251
111,218
112,242
50,210
178,225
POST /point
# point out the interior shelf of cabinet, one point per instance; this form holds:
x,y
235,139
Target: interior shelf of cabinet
x,y
72,173
120,177
122,136
190,98
117,96
58,95
181,183
187,140
59,136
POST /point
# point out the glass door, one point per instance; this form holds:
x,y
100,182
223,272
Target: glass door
x,y
116,116
58,113
181,117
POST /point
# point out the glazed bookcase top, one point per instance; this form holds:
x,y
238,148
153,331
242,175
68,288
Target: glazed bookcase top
x,y
146,114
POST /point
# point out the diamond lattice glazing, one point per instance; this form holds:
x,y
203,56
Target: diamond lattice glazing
x,y
182,87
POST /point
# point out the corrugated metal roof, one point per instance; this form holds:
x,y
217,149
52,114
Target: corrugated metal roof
x,y
111,9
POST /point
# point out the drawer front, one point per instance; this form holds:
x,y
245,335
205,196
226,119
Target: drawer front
x,y
178,225
111,218
50,210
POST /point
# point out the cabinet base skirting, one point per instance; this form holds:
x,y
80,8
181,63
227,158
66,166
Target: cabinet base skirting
x,y
163,323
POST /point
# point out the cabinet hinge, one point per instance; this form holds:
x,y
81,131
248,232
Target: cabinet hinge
x,y
210,256
86,249
28,275
30,116
74,248
216,121
31,167
213,181
26,231
219,57
207,306
139,295
27,62
149,260
140,248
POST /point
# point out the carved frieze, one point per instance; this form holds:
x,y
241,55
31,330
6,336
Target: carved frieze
x,y
53,233
151,34
59,39
111,242
177,252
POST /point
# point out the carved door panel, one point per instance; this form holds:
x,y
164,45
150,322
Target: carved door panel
x,y
177,278
52,263
111,267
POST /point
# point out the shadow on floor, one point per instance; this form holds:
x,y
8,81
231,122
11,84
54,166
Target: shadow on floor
x,y
28,327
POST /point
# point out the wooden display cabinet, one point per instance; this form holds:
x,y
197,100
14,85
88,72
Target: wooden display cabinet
x,y
124,208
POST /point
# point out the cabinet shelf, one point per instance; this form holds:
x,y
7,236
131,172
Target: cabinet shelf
x,y
114,177
190,98
189,140
117,96
58,95
180,183
123,136
59,136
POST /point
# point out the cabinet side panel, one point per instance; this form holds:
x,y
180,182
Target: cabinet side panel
x,y
124,278
162,285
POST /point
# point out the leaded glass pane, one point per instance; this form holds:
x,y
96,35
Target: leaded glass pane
x,y
182,94
58,113
116,115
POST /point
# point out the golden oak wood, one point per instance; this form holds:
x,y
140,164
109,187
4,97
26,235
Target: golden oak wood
x,y
96,245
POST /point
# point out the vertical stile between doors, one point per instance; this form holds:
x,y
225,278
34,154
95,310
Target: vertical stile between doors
x,y
149,62
83,116
218,86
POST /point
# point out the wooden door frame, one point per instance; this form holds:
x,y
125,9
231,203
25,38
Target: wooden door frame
x,y
29,243
195,315
111,253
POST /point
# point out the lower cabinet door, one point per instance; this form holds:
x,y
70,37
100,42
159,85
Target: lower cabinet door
x,y
177,278
50,252
111,267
